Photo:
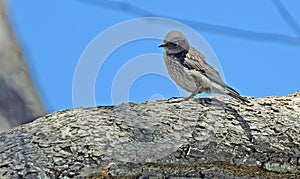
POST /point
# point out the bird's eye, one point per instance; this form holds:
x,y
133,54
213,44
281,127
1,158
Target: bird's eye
x,y
175,44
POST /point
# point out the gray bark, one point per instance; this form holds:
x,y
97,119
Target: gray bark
x,y
201,138
19,102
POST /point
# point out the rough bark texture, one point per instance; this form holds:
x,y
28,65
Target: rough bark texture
x,y
19,102
201,138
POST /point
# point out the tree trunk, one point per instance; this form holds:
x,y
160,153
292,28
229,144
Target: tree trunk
x,y
19,102
201,138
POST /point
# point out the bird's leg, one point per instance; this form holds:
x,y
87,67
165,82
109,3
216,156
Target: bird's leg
x,y
193,94
190,96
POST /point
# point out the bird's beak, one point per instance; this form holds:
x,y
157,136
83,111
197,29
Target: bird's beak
x,y
162,45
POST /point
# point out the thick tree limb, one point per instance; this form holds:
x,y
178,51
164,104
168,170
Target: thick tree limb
x,y
204,138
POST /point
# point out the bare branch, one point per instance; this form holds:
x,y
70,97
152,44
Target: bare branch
x,y
203,138
285,14
207,27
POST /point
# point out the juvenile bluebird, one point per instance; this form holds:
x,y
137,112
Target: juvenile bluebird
x,y
188,68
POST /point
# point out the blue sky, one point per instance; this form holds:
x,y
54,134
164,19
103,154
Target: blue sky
x,y
256,42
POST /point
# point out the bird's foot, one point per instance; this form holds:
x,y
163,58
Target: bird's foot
x,y
187,98
175,100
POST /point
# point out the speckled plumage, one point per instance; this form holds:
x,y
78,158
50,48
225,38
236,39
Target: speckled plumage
x,y
188,68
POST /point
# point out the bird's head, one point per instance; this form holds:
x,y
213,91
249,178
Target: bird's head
x,y
175,42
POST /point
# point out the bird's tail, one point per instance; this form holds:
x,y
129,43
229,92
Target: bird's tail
x,y
231,92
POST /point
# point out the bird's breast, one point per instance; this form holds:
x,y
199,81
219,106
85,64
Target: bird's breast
x,y
179,74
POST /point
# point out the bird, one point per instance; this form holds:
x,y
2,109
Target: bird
x,y
189,69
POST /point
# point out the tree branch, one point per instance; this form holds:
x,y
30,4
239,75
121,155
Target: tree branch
x,y
130,8
204,137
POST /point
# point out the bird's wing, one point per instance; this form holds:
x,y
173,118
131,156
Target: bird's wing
x,y
195,60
